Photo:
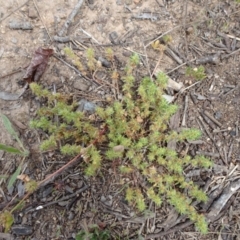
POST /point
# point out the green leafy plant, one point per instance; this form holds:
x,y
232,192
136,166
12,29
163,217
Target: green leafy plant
x,y
133,131
94,233
167,39
22,151
75,59
196,73
6,217
91,61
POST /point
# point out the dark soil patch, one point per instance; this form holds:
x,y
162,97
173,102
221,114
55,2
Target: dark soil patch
x,y
203,33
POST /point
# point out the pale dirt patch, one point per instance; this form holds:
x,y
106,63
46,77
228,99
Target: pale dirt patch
x,y
191,25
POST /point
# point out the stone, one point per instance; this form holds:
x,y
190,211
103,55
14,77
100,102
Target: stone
x,y
14,40
81,84
86,106
113,36
119,2
32,12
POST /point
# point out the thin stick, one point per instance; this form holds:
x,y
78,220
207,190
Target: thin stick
x,y
54,175
24,90
184,25
158,62
233,37
212,118
185,111
141,54
174,229
210,136
59,200
180,66
230,54
162,35
9,74
173,55
70,18
147,62
189,86
67,64
89,35
14,11
41,19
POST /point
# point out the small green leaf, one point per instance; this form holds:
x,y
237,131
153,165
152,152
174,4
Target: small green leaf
x,y
10,129
8,126
14,177
10,149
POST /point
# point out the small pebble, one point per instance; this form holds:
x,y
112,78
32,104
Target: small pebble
x,y
14,40
119,2
81,84
189,30
113,37
104,62
70,215
32,12
217,115
84,105
233,133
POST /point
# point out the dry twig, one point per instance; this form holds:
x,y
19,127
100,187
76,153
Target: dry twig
x,y
185,112
212,118
70,18
14,11
35,4
222,200
59,200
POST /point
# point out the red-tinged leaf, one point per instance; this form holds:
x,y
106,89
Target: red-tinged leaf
x,y
38,64
102,225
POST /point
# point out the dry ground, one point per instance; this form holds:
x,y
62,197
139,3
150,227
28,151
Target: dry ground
x,y
204,32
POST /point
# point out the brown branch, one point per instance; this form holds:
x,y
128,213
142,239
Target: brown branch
x,y
177,228
13,11
70,18
54,175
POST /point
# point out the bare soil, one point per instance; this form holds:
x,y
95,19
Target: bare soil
x,y
204,32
